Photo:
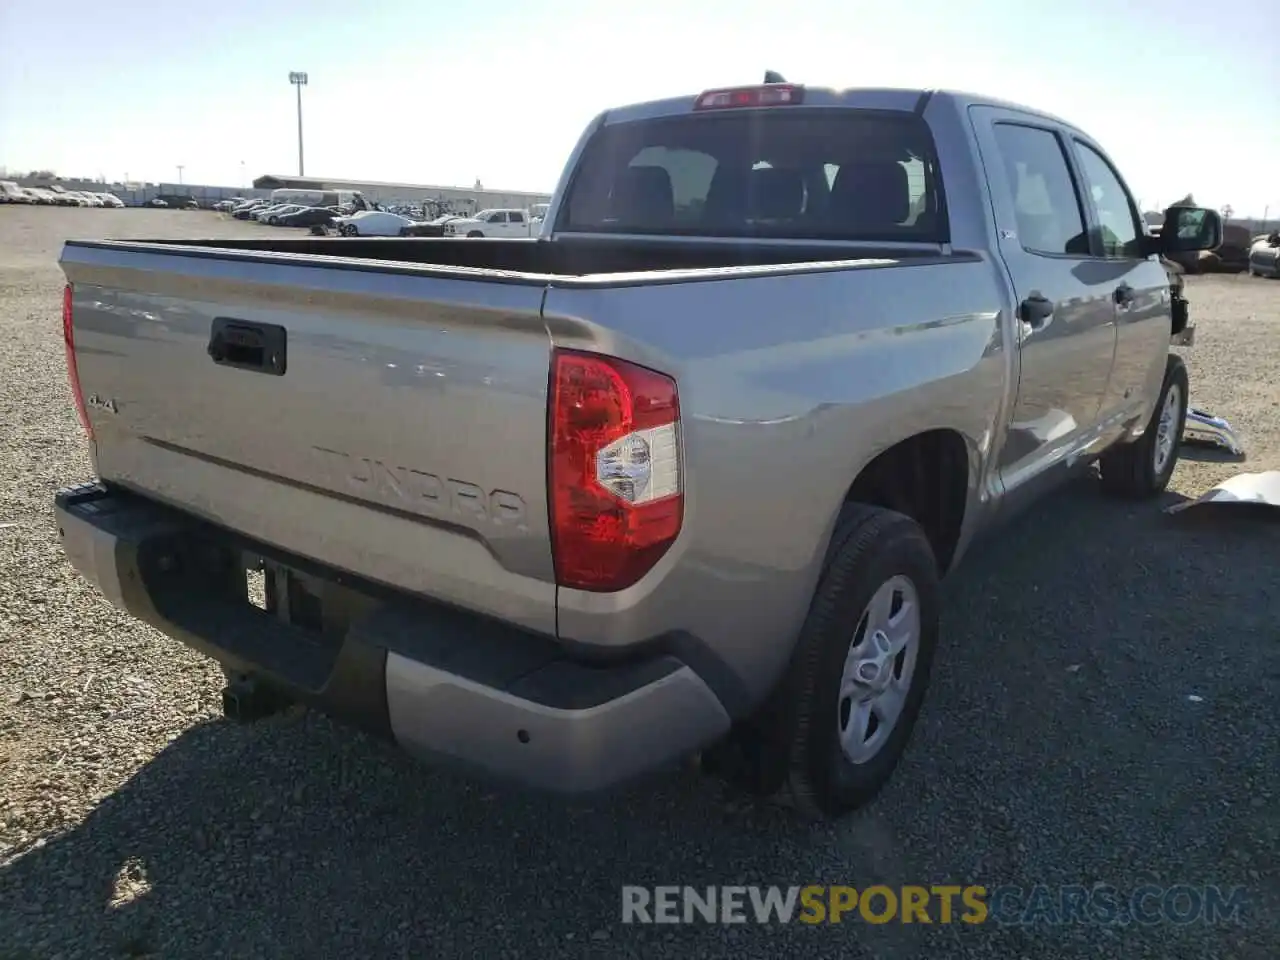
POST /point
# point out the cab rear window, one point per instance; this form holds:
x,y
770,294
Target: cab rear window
x,y
837,174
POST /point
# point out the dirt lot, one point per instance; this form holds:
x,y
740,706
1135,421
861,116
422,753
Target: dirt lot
x,y
1105,710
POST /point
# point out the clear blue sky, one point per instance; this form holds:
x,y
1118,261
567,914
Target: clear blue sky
x,y
1185,94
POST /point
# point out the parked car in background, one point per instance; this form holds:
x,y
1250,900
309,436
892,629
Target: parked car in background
x,y
10,192
1264,256
61,197
272,216
491,223
261,213
56,195
430,228
372,223
245,211
309,217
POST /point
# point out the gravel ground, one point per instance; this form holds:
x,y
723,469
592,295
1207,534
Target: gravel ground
x,y
1061,743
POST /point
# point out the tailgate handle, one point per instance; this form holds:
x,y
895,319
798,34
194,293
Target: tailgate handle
x,y
259,347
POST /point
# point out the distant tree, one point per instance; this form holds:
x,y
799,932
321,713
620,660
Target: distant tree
x,y
42,175
1226,211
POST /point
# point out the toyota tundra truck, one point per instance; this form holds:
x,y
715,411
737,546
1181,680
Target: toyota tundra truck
x,y
678,478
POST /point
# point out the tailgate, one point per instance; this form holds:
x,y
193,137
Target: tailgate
x,y
386,419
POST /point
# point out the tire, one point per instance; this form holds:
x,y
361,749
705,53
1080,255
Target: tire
x,y
475,233
1142,469
348,230
793,748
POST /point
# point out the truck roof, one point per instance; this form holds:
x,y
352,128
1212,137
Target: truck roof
x,y
906,99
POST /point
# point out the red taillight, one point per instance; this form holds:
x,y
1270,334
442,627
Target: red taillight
x,y
615,477
769,95
73,374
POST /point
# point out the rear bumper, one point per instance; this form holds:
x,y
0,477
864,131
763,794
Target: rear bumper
x,y
440,682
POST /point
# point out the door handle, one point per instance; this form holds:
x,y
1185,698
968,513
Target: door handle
x,y
1124,295
259,347
1035,311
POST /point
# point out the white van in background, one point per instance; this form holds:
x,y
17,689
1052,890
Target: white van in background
x,y
347,199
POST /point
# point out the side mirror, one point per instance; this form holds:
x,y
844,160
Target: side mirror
x,y
1190,229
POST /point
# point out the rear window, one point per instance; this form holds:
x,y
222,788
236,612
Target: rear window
x,y
825,174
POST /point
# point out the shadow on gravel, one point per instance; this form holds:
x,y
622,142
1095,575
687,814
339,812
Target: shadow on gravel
x,y
1103,711
1207,454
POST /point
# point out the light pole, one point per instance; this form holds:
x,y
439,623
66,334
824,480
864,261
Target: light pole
x,y
180,169
299,80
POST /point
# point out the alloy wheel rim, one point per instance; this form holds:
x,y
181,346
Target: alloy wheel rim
x,y
1167,428
878,669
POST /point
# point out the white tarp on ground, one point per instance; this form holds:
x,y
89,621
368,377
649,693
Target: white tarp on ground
x,y
1243,488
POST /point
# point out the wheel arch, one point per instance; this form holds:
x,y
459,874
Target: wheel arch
x,y
927,476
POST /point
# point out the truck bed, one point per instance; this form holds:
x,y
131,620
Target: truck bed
x,y
565,257
402,435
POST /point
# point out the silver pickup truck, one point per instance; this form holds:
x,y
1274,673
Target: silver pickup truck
x,y
678,478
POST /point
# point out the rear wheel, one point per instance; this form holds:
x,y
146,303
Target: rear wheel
x,y
839,722
1142,469
475,233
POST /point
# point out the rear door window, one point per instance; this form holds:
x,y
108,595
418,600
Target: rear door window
x,y
1047,206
